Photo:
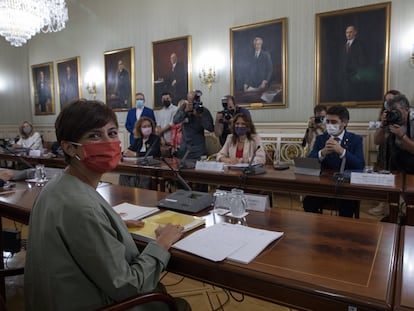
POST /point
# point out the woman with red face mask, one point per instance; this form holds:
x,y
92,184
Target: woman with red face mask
x,y
80,255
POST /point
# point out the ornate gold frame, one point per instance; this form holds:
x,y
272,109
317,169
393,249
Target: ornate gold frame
x,y
162,73
274,36
74,64
112,97
43,92
334,82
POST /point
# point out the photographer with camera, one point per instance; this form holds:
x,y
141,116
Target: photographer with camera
x,y
222,126
316,126
195,118
398,124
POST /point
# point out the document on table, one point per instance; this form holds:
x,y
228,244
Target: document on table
x,y
234,242
129,211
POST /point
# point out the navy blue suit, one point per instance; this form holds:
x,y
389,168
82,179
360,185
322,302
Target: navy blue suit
x,y
354,161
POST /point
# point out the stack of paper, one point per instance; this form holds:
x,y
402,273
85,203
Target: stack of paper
x,y
129,211
147,233
235,242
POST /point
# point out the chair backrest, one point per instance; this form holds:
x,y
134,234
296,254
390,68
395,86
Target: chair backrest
x,y
142,299
212,144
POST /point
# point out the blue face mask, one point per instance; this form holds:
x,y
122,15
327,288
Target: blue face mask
x,y
139,103
385,105
241,131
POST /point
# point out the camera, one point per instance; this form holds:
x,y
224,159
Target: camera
x,y
393,117
197,104
225,112
319,120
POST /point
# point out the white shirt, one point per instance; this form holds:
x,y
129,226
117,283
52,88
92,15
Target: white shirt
x,y
33,142
139,112
164,117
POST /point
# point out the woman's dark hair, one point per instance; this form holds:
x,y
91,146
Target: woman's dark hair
x,y
81,116
249,124
138,124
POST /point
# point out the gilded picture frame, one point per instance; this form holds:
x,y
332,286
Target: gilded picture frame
x,y
43,89
171,69
352,56
120,78
69,80
258,65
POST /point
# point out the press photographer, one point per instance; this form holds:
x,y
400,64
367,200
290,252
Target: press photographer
x,y
195,118
225,117
398,123
316,126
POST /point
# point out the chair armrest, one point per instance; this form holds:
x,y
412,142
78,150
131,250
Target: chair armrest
x,y
142,299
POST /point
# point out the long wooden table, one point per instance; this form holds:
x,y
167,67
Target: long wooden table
x,y
275,181
321,262
404,290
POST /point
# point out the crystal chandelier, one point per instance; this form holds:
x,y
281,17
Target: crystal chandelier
x,y
22,19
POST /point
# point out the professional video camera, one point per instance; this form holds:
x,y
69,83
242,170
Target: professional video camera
x,y
393,117
226,111
197,103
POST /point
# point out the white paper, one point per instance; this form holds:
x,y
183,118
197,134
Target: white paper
x,y
210,166
129,211
373,179
235,242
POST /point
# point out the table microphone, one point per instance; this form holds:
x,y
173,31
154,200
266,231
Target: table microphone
x,y
341,176
254,170
19,157
177,175
145,160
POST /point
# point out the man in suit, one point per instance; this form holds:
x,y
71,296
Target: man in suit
x,y
122,86
260,68
135,113
353,60
176,80
331,148
43,94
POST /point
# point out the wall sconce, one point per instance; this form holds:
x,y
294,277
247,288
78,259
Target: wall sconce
x,y
91,88
208,76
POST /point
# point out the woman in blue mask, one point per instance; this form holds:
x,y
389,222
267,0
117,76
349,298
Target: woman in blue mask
x,y
28,137
242,143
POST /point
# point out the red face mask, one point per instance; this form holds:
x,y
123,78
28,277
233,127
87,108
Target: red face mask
x,y
101,157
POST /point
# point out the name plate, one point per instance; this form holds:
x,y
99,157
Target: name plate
x,y
35,153
210,166
257,202
373,179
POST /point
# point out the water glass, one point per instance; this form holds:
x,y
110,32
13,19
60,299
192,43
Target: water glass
x,y
221,204
238,202
40,173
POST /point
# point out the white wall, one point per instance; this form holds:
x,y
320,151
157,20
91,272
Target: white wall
x,y
96,26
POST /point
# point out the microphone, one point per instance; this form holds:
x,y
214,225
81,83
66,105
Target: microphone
x,y
19,157
177,175
184,158
254,170
187,200
341,176
145,159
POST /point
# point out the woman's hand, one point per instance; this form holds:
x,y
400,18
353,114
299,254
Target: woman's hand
x,y
168,235
129,153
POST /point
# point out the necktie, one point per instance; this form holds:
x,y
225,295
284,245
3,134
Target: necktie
x,y
337,139
257,54
348,45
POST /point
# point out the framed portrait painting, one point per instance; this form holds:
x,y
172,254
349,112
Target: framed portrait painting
x,y
68,72
352,51
171,69
43,90
258,64
120,79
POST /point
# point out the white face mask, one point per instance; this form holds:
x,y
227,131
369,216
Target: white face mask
x,y
146,131
333,129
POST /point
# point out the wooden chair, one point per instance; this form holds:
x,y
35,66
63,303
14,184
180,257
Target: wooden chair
x,y
142,299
